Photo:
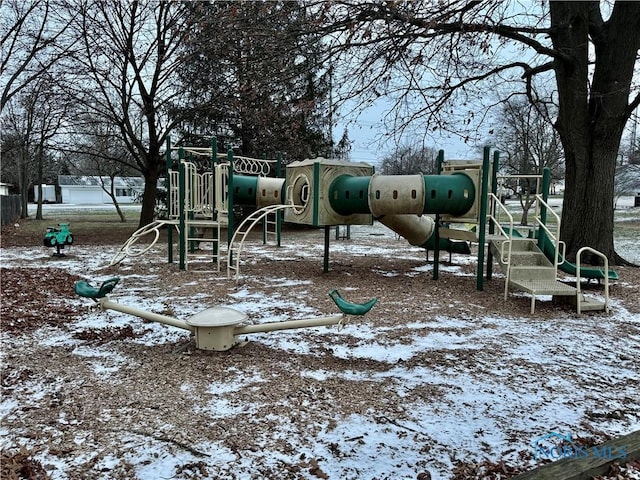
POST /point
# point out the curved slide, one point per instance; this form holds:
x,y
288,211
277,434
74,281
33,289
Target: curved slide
x,y
447,245
571,268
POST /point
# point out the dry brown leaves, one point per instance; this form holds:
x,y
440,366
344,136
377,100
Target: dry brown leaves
x,y
34,297
19,465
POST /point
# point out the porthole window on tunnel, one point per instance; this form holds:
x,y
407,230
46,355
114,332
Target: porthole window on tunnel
x,y
300,193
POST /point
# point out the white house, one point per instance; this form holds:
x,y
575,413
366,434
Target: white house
x,y
88,190
4,188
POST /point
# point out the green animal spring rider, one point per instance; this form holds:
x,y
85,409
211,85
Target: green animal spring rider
x,y
216,328
58,237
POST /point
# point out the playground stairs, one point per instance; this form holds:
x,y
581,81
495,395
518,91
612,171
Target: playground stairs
x,y
196,230
529,270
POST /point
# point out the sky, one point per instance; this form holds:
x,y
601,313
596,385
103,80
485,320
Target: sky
x,y
367,128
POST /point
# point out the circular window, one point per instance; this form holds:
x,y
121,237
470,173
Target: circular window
x,y
300,192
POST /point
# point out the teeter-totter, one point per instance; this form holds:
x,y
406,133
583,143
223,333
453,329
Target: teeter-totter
x,y
216,328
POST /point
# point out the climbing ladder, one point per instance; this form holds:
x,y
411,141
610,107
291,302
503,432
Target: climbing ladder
x,y
271,227
529,270
200,215
240,235
193,235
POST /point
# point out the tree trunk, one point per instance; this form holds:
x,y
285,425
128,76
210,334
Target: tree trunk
x,y
23,183
39,209
114,198
40,179
149,196
590,134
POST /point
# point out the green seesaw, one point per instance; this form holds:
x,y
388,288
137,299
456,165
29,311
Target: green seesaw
x,y
216,328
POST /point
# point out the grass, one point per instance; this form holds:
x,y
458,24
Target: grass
x,y
81,222
95,223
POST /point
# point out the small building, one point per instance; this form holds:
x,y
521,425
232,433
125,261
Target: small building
x,y
48,193
90,189
4,188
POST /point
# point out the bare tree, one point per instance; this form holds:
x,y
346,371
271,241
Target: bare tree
x,y
445,64
627,180
18,165
126,76
32,119
528,144
100,151
410,160
33,38
50,114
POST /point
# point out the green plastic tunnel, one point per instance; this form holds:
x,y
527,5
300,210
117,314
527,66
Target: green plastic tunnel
x,y
258,191
402,194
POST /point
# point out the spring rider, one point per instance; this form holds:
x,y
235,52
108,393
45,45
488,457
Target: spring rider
x,y
58,237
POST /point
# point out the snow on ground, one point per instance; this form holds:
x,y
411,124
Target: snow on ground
x,y
429,379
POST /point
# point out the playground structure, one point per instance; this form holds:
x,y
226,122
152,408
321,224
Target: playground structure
x,y
198,199
216,328
427,210
58,237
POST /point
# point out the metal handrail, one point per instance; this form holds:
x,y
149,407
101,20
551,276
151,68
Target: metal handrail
x,y
243,230
555,237
606,277
496,201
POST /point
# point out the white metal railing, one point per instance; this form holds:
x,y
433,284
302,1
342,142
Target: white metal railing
x,y
605,275
554,237
495,201
199,188
241,233
245,165
222,194
196,151
174,204
198,194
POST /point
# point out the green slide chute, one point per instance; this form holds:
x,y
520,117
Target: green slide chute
x,y
571,268
566,266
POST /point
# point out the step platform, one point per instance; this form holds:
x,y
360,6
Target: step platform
x,y
543,287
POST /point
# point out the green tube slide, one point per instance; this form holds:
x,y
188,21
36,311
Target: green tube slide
x,y
398,201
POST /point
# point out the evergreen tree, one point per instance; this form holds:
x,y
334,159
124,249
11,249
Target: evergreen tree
x,y
253,82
